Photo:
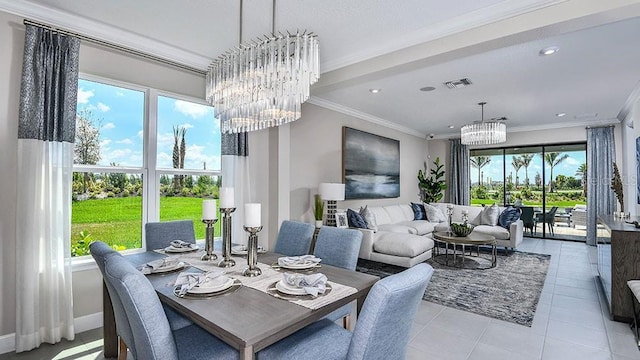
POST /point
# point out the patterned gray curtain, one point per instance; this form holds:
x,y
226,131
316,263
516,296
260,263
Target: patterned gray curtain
x,y
601,153
46,131
459,180
235,174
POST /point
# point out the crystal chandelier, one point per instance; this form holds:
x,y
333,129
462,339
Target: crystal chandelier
x,y
484,132
263,83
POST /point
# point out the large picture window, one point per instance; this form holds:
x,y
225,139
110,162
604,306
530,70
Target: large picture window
x,y
139,156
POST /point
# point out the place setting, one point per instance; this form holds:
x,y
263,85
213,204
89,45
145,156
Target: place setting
x,y
298,286
179,247
161,266
304,263
243,250
204,285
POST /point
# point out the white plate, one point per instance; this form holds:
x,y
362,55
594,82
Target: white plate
x,y
171,249
213,285
242,250
285,288
299,266
170,266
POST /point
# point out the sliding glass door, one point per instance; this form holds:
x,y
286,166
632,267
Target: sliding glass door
x,y
546,182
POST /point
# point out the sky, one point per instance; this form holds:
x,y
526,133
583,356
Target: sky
x,y
119,112
494,170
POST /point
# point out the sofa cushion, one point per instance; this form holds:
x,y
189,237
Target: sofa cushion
x,y
397,228
401,244
490,215
399,213
422,227
418,211
356,220
441,227
382,216
369,218
498,231
434,214
508,215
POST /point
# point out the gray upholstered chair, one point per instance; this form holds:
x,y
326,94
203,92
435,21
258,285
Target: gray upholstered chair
x,y
158,235
339,247
294,238
382,330
152,334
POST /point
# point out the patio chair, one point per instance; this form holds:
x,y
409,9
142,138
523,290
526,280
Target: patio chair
x,y
579,216
548,217
527,218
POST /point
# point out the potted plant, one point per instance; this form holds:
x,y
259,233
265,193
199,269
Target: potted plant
x,y
318,210
432,187
616,186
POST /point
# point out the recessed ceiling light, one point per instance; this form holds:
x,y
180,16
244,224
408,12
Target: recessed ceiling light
x,y
549,51
375,91
561,114
427,88
451,126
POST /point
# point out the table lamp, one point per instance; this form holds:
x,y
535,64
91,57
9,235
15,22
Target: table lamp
x,y
331,193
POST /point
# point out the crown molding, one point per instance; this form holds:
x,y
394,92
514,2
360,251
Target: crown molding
x,y
363,116
461,23
104,32
626,113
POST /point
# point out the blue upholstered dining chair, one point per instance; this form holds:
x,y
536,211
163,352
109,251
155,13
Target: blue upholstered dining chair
x,y
339,247
152,334
382,330
294,238
158,235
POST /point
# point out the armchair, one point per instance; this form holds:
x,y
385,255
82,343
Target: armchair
x,y
548,218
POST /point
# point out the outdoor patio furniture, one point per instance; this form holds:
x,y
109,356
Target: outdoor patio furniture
x,y
579,216
527,218
548,218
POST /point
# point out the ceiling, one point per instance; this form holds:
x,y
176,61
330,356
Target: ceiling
x,y
402,46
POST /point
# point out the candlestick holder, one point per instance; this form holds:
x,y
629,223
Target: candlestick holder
x,y
450,216
208,241
252,252
226,261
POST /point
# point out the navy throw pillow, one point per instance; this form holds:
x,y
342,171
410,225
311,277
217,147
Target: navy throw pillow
x,y
509,215
418,212
356,220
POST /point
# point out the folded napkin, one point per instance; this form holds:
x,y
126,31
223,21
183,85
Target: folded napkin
x,y
154,265
298,260
178,244
313,284
190,280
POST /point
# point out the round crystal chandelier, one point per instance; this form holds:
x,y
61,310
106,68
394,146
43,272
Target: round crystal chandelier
x,y
484,132
263,83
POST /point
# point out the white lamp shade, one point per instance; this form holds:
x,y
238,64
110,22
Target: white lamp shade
x,y
331,191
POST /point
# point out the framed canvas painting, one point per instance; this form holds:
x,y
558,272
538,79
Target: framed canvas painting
x,y
370,165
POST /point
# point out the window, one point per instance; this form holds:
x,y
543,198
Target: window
x,y
139,156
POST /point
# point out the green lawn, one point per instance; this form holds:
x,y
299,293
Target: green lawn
x,y
118,221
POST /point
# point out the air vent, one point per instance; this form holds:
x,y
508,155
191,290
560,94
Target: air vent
x,y
457,84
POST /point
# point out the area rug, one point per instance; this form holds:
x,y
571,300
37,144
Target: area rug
x,y
508,292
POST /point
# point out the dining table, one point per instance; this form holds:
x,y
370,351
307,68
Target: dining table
x,y
253,316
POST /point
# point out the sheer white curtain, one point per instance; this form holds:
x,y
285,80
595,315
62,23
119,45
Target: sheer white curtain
x,y
235,173
46,131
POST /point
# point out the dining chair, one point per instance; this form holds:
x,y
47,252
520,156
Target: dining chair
x,y
158,235
339,247
549,218
152,334
382,330
527,218
294,238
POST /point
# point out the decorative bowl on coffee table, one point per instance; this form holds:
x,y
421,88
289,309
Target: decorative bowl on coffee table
x,y
461,229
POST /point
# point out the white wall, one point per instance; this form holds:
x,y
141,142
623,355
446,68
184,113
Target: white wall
x,y
629,155
316,157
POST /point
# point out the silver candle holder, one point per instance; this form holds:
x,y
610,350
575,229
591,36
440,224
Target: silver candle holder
x,y
208,241
226,261
252,252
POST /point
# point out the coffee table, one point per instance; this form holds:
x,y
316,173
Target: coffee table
x,y
471,240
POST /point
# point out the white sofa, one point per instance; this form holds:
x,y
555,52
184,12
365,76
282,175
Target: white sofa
x,y
402,241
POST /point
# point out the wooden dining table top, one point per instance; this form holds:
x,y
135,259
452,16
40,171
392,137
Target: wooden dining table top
x,y
248,319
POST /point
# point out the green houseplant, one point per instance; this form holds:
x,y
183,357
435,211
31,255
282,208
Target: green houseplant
x,y
318,209
432,187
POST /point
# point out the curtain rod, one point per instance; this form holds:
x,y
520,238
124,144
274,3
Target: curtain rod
x,y
117,47
600,126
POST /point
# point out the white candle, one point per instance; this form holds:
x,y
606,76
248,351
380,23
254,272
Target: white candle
x,y
209,210
252,215
465,212
226,198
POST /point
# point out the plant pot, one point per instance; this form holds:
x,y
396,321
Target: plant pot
x,y
318,223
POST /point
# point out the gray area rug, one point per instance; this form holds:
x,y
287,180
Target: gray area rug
x,y
508,292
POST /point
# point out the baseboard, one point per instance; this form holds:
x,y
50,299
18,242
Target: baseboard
x,y
80,324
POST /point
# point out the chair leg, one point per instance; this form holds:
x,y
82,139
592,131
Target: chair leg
x,y
346,322
122,350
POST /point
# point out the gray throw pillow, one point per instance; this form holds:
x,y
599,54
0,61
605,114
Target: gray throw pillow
x,y
490,215
434,214
370,219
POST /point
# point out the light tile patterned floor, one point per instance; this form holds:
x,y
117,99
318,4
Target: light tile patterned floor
x,y
571,322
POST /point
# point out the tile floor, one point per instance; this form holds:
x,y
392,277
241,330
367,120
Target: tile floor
x,y
571,322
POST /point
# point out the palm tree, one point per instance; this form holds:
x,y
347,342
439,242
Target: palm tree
x,y
553,159
582,172
526,160
516,162
478,162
